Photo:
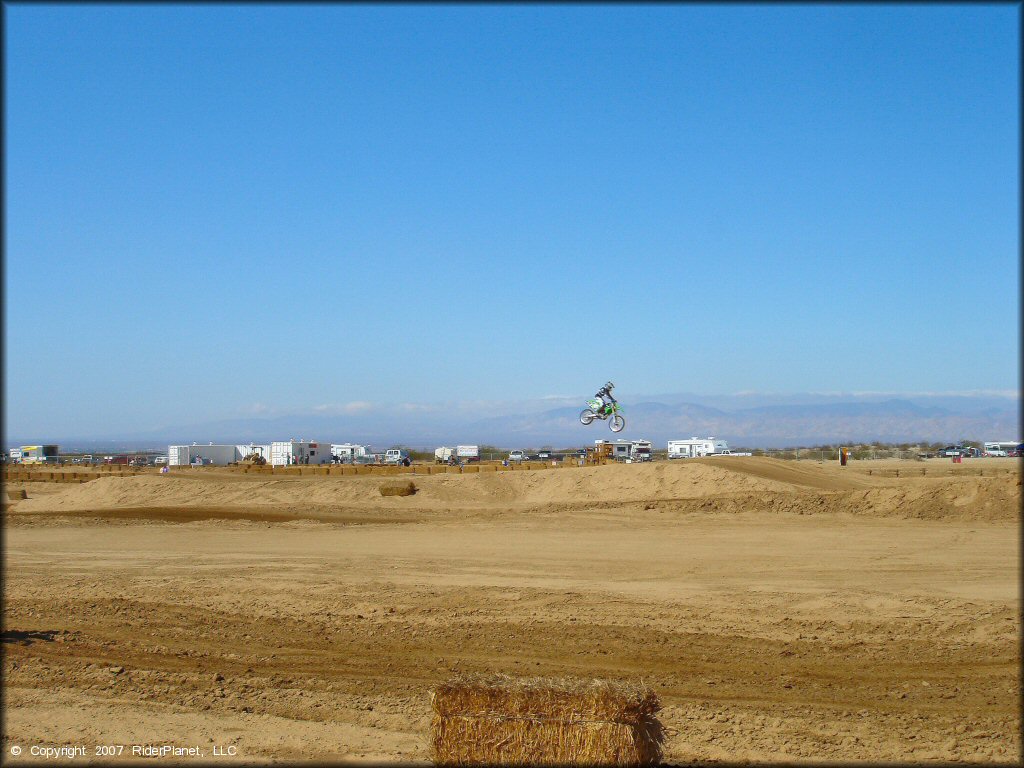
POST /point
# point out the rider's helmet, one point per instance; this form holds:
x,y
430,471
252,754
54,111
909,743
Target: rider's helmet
x,y
609,386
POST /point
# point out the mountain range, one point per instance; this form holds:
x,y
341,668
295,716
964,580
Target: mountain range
x,y
750,421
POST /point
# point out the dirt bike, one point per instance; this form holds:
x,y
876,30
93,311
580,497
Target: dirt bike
x,y
600,410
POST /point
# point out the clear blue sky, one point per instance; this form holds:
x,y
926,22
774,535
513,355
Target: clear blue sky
x,y
212,210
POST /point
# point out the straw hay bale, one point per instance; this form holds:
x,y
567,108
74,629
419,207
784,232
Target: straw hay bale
x,y
538,721
398,489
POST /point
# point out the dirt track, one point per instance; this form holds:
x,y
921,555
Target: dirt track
x,y
782,610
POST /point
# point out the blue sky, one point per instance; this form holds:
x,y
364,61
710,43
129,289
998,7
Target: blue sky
x,y
215,211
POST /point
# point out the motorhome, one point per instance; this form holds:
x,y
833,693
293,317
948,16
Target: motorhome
x,y
467,452
621,450
347,453
1000,448
696,446
640,450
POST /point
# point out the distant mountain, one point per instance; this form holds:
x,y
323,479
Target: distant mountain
x,y
768,421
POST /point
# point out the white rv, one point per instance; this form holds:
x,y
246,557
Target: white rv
x,y
1001,448
621,450
443,454
468,452
696,446
640,450
347,453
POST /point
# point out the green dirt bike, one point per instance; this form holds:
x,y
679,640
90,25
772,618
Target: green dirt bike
x,y
600,410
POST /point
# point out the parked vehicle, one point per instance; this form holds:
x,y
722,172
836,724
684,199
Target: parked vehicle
x,y
517,456
951,451
1002,448
116,460
640,450
443,455
696,447
468,453
395,456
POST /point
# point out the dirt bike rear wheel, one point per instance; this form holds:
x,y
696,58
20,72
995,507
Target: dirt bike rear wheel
x,y
587,416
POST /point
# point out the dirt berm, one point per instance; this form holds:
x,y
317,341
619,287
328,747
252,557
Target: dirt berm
x,y
733,484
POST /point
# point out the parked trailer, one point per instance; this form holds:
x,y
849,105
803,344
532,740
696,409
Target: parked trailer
x,y
640,450
621,450
285,452
696,446
443,454
468,452
40,454
1001,447
347,453
217,455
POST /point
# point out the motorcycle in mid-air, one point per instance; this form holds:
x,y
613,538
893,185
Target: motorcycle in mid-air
x,y
597,409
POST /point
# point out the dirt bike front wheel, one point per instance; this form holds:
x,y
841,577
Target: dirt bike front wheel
x,y
587,416
617,424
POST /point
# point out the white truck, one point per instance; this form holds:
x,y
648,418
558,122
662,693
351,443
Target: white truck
x,y
443,455
517,456
395,456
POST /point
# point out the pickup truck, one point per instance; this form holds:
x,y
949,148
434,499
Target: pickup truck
x,y
517,456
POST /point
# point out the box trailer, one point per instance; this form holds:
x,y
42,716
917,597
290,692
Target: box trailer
x,y
285,452
177,455
216,455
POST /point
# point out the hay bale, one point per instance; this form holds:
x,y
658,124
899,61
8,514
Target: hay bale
x,y
500,720
398,489
16,494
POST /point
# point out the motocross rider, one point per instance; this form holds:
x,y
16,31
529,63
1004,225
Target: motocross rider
x,y
604,394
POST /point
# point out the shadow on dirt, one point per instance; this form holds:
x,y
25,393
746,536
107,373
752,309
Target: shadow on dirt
x,y
27,637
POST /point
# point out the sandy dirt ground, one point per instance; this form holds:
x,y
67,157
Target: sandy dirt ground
x,y
783,611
